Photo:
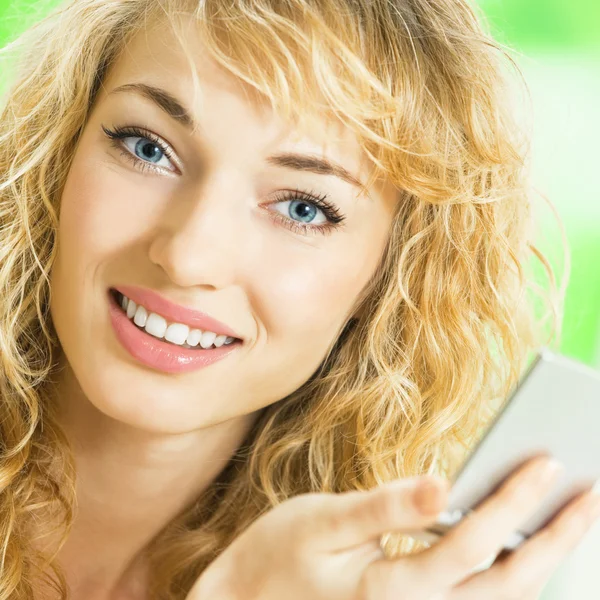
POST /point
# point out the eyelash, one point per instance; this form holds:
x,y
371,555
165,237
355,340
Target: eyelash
x,y
331,212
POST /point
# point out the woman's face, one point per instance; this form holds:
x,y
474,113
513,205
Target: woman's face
x,y
210,228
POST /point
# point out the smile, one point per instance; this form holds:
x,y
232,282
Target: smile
x,y
159,353
174,333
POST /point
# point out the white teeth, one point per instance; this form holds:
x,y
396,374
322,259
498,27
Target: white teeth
x,y
131,308
141,314
220,340
193,338
177,333
155,325
207,339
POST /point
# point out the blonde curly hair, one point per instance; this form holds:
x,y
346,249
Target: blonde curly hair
x,y
447,323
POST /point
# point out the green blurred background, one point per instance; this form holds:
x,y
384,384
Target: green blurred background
x,y
557,46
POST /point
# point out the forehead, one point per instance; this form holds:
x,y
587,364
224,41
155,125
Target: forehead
x,y
227,108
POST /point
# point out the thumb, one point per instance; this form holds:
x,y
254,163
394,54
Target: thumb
x,y
351,518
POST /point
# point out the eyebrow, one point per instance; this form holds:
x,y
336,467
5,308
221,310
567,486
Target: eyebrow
x,y
291,160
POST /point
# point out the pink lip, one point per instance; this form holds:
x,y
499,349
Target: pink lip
x,y
153,302
157,353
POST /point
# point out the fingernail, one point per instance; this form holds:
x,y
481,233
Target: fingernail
x,y
429,495
549,470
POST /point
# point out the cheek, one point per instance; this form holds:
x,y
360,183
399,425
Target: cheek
x,y
310,296
99,212
301,298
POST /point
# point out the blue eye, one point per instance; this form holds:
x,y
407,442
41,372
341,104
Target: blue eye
x,y
304,210
147,152
308,210
304,206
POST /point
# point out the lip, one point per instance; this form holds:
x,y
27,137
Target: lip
x,y
157,353
154,302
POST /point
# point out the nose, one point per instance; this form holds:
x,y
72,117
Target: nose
x,y
198,238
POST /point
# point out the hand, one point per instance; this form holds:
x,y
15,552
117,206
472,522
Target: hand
x,y
326,546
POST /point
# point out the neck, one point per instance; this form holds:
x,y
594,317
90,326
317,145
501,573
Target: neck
x,y
130,485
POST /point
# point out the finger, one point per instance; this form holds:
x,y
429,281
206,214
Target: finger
x,y
483,532
528,569
339,521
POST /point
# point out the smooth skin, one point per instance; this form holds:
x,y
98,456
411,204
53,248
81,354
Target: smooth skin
x,y
326,546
